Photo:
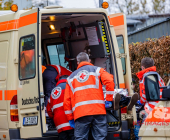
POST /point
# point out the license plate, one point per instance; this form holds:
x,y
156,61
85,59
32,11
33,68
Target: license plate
x,y
33,120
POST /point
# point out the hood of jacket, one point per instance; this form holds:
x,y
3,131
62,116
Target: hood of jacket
x,y
141,73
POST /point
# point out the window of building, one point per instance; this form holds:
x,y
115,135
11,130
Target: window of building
x,y
27,57
57,54
122,51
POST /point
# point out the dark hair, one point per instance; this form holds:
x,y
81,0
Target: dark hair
x,y
147,62
63,77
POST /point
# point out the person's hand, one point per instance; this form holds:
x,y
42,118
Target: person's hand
x,y
138,102
72,124
108,104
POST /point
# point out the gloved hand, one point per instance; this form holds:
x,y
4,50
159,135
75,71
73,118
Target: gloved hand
x,y
108,104
138,102
72,124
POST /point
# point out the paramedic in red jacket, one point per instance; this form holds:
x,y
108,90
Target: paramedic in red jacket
x,y
51,74
147,66
55,110
84,100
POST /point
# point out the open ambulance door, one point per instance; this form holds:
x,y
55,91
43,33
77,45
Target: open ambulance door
x,y
29,97
119,27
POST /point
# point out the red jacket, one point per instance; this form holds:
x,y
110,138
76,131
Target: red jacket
x,y
55,107
141,75
84,94
61,71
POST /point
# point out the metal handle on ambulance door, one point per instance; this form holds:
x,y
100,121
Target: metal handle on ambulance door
x,y
42,100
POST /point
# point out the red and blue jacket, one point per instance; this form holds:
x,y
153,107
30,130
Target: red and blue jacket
x,y
55,107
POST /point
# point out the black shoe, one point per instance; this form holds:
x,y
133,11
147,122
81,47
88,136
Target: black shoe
x,y
116,101
133,101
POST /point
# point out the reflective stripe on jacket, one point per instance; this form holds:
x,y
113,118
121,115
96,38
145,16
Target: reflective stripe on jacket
x,y
55,107
61,71
141,75
84,95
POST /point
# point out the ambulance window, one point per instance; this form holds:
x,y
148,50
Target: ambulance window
x,y
121,50
27,57
57,54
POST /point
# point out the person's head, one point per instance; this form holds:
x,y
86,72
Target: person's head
x,y
63,77
82,56
147,62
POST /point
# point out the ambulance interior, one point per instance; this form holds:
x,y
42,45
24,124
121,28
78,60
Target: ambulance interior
x,y
64,36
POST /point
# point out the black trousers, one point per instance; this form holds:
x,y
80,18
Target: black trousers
x,y
97,124
67,135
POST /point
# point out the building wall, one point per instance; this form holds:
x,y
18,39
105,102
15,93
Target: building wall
x,y
156,30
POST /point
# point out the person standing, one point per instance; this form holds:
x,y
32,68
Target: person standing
x,y
147,66
55,110
84,100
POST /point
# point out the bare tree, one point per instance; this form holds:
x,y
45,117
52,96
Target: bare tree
x,y
44,3
140,6
158,6
144,9
126,6
6,4
1,4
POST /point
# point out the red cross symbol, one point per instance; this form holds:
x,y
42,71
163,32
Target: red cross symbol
x,y
82,76
56,92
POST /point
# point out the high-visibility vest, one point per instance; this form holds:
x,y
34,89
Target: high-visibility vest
x,y
151,104
55,108
84,88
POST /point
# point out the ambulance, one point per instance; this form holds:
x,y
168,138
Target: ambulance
x,y
30,39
